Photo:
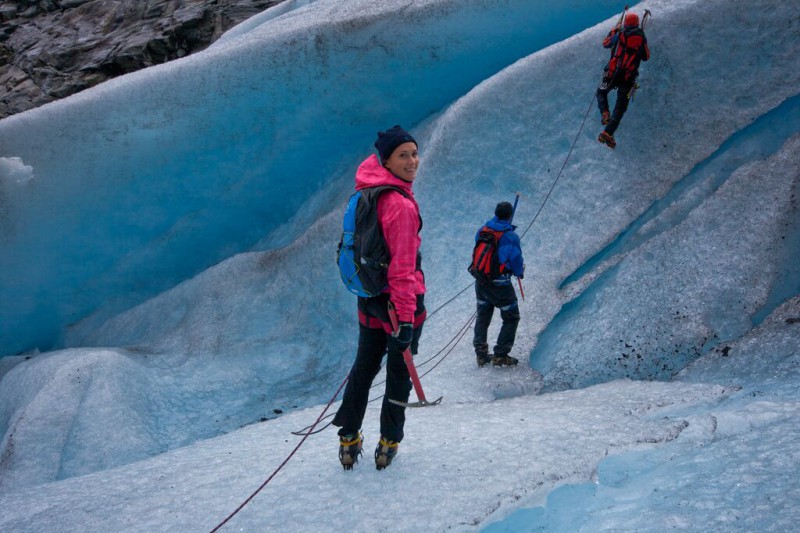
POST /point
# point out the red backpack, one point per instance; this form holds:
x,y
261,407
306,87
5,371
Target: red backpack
x,y
485,265
624,63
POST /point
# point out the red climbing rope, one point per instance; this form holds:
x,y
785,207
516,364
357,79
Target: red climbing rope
x,y
274,473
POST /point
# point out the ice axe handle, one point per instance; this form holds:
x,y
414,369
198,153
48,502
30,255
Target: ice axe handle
x,y
412,370
622,17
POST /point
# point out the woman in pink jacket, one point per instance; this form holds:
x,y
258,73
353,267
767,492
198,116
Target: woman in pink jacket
x,y
400,224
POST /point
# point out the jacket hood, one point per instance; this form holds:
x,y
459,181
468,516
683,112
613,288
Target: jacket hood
x,y
371,173
500,225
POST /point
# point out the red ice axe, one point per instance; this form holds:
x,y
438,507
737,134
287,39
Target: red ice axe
x,y
412,370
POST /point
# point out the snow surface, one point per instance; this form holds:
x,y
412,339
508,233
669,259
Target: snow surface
x,y
682,244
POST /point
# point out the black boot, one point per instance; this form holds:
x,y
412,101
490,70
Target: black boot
x,y
385,452
607,139
504,360
350,449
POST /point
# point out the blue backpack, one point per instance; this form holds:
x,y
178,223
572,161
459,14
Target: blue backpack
x,y
362,255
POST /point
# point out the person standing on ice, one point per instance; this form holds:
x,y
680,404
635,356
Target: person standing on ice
x,y
494,289
628,49
399,221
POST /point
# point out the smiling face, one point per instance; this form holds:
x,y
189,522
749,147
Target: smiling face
x,y
404,161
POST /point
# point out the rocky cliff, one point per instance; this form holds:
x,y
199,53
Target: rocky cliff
x,y
50,49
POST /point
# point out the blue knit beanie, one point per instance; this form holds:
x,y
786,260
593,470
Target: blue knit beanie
x,y
390,139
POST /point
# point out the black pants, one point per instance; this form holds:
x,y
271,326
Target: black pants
x,y
504,298
623,90
373,343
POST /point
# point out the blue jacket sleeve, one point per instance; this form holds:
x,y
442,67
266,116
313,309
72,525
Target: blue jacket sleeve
x,y
510,253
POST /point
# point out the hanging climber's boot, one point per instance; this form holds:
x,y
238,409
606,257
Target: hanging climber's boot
x,y
607,139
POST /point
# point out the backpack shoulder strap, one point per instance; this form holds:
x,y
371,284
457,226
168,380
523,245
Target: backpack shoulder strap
x,y
496,232
371,195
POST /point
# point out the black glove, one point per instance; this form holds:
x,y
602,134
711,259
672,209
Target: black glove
x,y
404,335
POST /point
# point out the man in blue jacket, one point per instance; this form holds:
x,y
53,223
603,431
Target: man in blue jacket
x,y
499,292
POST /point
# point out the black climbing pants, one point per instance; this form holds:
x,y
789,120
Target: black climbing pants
x,y
623,90
504,298
373,343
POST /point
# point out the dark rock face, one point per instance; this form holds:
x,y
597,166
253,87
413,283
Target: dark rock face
x,y
50,49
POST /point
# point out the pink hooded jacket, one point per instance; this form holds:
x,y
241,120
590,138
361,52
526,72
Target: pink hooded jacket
x,y
400,223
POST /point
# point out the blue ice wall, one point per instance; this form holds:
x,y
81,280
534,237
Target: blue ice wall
x,y
698,295
254,332
143,182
